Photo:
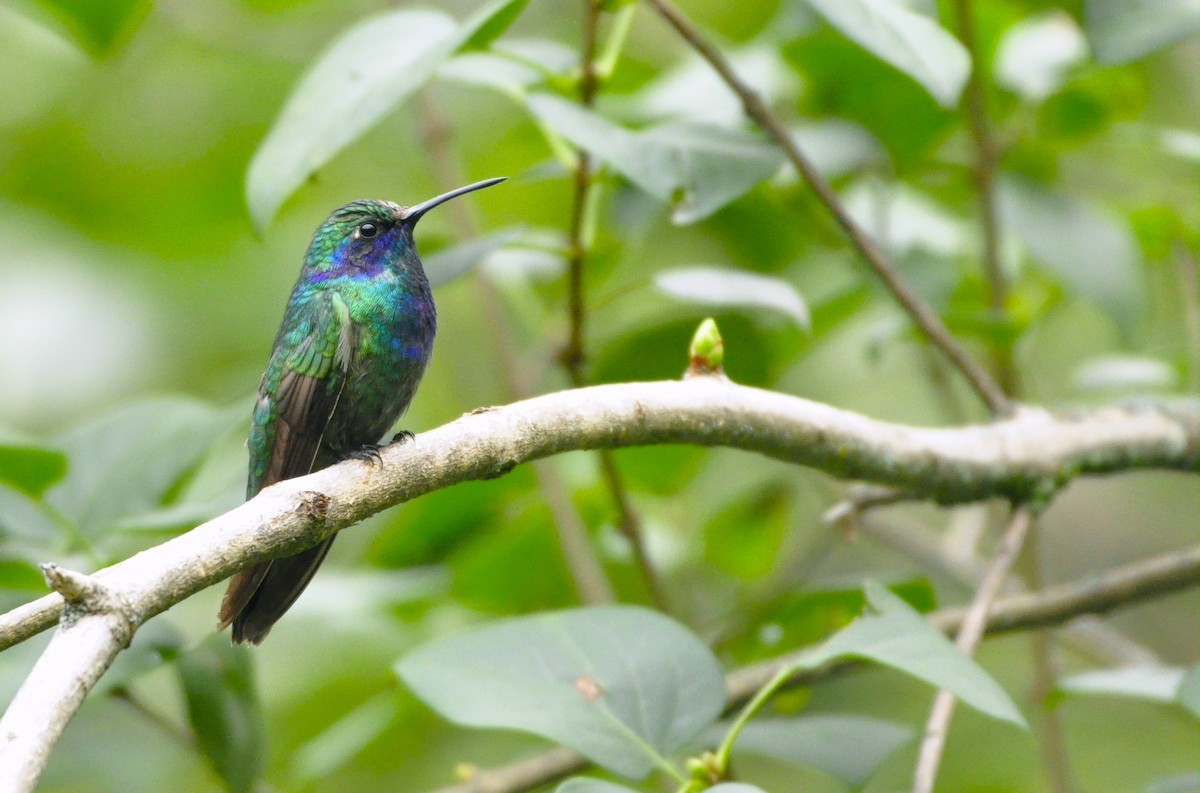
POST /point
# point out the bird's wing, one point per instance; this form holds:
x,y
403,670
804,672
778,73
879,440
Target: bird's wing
x,y
297,398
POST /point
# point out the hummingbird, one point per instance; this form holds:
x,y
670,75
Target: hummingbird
x,y
356,336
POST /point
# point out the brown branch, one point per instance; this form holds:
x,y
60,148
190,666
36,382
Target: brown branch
x,y
984,176
574,354
587,573
968,636
1098,594
925,317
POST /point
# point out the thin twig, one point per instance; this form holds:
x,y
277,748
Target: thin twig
x,y
969,634
1122,586
587,573
1089,635
574,353
925,317
1052,742
984,175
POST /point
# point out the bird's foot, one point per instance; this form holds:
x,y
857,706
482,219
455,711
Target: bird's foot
x,y
368,453
403,436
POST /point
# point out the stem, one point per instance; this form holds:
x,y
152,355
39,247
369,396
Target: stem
x,y
587,573
922,315
984,176
747,712
969,634
581,233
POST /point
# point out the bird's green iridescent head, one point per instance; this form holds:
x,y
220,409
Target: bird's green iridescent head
x,y
363,238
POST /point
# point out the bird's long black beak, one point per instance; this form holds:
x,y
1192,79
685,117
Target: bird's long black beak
x,y
412,214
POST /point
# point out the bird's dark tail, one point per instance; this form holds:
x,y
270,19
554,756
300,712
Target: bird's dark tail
x,y
258,597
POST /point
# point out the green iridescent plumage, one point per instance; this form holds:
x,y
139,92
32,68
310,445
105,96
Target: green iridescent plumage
x,y
356,335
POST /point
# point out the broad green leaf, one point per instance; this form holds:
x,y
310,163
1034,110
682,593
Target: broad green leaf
x,y
1180,783
718,286
126,462
694,169
803,618
99,26
223,710
1166,684
891,633
369,70
1092,252
21,576
905,220
583,784
1125,30
452,263
29,528
490,22
1036,53
1125,373
30,468
909,41
837,147
1189,690
695,92
850,748
623,686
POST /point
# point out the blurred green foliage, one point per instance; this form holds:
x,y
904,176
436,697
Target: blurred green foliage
x,y
138,303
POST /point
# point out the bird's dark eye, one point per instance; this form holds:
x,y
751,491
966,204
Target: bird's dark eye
x,y
368,230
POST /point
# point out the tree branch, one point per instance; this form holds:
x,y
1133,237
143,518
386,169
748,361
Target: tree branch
x,y
967,639
1027,456
925,317
97,624
1098,594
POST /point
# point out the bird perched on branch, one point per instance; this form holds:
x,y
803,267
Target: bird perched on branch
x,y
356,336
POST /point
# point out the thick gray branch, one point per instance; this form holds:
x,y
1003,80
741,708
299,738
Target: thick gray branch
x,y
1025,457
95,627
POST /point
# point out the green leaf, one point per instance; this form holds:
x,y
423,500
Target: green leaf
x,y
1125,30
1180,783
126,462
369,70
850,748
891,633
452,263
223,710
490,22
719,286
28,468
911,42
21,576
583,784
693,168
29,528
1036,54
1092,252
1125,373
100,27
623,686
1188,694
1165,684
